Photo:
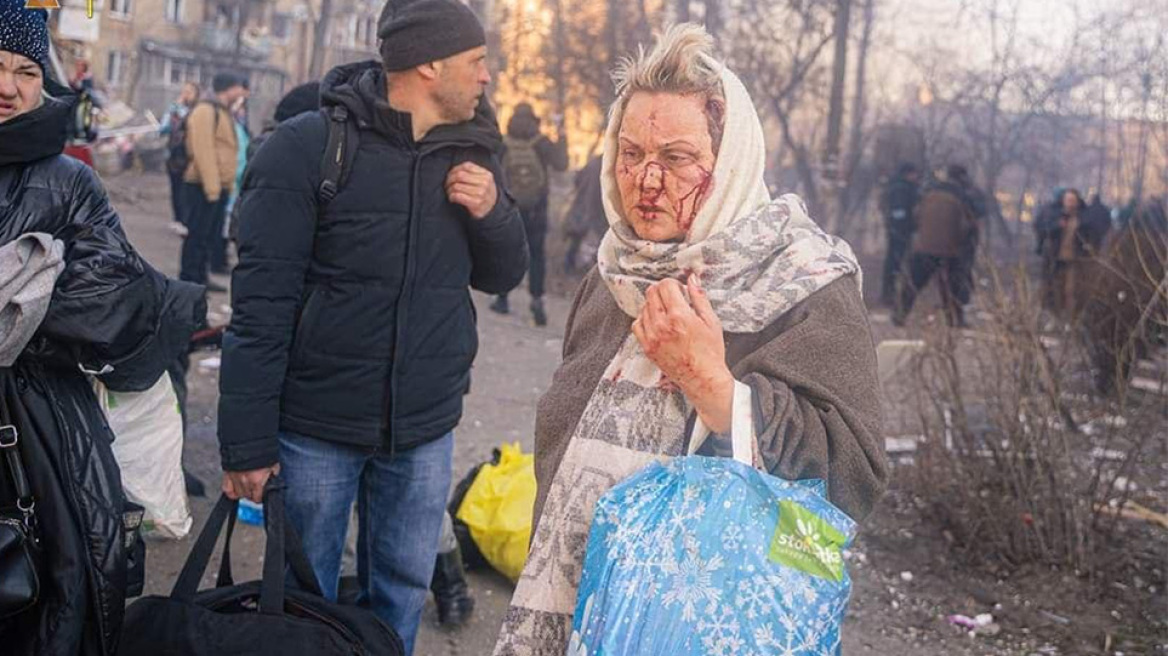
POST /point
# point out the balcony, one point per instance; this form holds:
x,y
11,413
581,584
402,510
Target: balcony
x,y
223,40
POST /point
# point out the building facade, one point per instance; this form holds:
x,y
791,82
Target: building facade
x,y
141,52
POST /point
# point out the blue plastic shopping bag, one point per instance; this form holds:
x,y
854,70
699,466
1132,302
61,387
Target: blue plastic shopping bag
x,y
711,556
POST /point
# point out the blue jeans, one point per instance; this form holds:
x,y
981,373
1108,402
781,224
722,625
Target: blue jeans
x,y
400,506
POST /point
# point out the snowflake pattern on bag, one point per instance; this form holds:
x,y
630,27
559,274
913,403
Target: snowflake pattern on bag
x,y
679,562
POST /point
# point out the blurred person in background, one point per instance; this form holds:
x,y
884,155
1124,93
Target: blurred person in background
x,y
585,218
897,203
526,162
172,120
944,226
1075,237
979,207
209,177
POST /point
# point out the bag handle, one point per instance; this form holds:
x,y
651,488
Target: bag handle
x,y
188,579
283,548
225,579
742,433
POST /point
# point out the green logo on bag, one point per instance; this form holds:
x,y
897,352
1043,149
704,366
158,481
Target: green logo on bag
x,y
804,541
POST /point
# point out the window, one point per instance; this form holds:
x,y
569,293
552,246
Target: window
x,y
121,8
116,67
281,27
174,11
175,72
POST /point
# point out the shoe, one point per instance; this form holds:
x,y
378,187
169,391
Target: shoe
x,y
451,594
537,312
501,306
179,229
214,287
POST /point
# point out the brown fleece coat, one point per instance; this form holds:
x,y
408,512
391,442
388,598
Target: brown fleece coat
x,y
211,146
813,374
945,224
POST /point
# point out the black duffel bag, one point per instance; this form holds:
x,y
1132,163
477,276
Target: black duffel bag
x,y
256,618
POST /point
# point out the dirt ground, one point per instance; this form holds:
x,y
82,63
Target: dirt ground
x,y
907,576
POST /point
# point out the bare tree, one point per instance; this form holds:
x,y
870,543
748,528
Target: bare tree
x,y
786,76
320,40
839,74
985,114
858,182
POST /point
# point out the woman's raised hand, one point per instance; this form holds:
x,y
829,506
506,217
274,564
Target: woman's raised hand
x,y
684,339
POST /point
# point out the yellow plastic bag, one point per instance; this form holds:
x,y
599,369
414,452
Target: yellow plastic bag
x,y
498,509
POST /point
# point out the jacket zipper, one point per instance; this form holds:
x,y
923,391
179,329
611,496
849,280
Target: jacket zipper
x,y
405,294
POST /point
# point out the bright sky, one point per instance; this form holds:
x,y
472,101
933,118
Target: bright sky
x,y
955,33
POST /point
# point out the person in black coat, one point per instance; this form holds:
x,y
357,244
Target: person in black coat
x,y
353,328
897,203
528,158
110,315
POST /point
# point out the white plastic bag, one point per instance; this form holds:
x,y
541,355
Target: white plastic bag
x,y
148,442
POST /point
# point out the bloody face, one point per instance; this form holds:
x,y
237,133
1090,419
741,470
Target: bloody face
x,y
665,165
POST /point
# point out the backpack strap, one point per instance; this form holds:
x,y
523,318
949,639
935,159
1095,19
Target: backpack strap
x,y
339,152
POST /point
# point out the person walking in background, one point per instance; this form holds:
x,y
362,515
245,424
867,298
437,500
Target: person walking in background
x,y
897,203
1073,238
944,225
211,151
170,128
218,256
979,207
1097,217
353,331
243,147
525,165
586,214
301,99
1045,221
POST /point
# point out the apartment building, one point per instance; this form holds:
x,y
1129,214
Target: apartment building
x,y
141,52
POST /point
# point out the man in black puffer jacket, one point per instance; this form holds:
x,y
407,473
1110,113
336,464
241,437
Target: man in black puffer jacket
x,y
353,329
110,314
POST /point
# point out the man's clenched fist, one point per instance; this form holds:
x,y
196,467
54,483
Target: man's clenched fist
x,y
473,187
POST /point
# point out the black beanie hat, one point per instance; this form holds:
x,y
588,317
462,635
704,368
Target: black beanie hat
x,y
426,31
24,31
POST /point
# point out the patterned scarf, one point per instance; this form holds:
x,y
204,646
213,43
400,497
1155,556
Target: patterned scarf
x,y
757,259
